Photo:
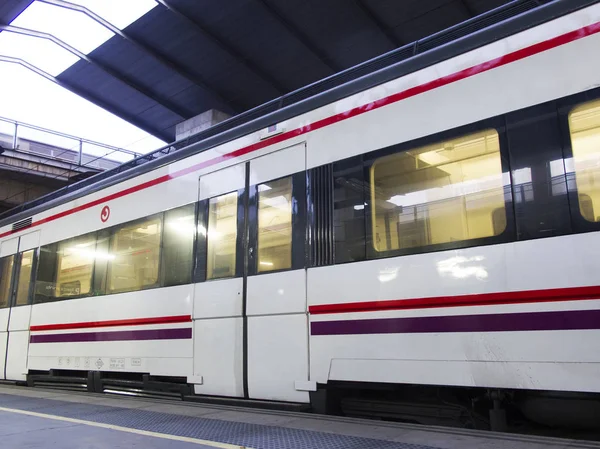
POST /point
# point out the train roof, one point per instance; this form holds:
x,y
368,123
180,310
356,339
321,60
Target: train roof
x,y
496,24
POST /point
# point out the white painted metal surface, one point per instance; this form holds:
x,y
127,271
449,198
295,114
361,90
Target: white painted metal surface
x,y
218,298
277,293
16,359
279,164
29,241
19,319
9,247
218,356
278,357
222,181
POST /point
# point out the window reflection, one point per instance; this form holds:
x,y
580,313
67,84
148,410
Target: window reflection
x,y
134,256
584,125
75,266
461,267
222,236
447,192
178,245
522,186
24,278
65,268
6,270
275,225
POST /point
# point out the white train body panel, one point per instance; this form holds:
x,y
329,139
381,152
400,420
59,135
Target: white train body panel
x,y
282,353
528,360
125,352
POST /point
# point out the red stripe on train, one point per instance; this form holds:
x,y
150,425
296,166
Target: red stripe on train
x,y
413,91
114,323
486,299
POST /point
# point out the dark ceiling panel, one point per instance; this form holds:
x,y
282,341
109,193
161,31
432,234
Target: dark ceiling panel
x,y
269,46
439,15
10,9
129,59
169,34
339,27
481,6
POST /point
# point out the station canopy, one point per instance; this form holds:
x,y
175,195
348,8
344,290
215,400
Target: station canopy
x,y
156,63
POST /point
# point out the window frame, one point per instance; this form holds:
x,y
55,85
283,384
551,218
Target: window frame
x,y
508,235
565,107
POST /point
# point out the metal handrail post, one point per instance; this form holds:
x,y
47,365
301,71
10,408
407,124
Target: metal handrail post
x,y
15,136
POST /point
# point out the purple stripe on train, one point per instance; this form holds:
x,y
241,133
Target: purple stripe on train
x,y
499,322
146,334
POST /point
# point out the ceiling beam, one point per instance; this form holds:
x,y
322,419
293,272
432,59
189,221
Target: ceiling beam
x,y
159,56
374,18
163,101
233,52
113,109
300,36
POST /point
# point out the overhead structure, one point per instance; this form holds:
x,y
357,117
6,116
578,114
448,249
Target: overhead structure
x,y
183,58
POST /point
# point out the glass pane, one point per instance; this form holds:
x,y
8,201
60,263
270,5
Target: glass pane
x,y
178,245
134,256
448,192
65,268
75,266
6,269
349,210
24,278
584,123
275,225
222,236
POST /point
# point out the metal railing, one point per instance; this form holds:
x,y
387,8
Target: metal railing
x,y
55,145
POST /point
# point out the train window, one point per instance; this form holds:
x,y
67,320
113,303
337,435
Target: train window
x,y
6,270
584,125
134,255
24,282
178,245
446,192
222,236
65,268
275,225
75,265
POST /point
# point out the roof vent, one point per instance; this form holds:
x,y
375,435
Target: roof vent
x,y
22,224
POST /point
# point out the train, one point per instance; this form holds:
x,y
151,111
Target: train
x,y
427,227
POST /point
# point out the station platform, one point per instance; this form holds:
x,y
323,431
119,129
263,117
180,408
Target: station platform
x,y
44,419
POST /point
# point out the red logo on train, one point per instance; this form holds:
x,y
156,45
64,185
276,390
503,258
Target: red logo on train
x,y
105,214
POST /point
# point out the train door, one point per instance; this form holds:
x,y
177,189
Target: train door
x,y
250,320
24,259
8,254
219,283
277,321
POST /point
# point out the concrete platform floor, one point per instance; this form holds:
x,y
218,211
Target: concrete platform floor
x,y
44,419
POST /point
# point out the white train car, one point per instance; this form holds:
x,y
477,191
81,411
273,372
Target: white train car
x,y
434,223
